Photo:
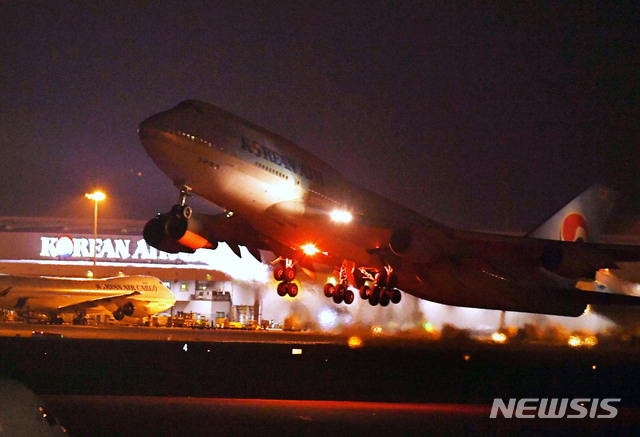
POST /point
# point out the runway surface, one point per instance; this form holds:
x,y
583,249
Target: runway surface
x,y
183,382
117,332
136,416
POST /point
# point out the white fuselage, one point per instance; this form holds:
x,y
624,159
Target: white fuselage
x,y
290,197
51,295
278,187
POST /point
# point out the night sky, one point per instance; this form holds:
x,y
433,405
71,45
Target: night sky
x,y
479,116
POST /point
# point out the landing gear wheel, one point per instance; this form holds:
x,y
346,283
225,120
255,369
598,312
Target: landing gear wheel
x,y
392,281
348,297
374,297
292,289
282,289
397,296
79,320
278,273
328,289
381,278
337,298
364,292
187,211
289,274
339,290
384,298
118,314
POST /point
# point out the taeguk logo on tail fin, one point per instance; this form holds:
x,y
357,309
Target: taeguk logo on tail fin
x,y
574,228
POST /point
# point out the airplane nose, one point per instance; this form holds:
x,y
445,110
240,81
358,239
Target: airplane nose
x,y
158,122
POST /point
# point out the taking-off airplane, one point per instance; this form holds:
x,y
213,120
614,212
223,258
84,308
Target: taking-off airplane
x,y
280,198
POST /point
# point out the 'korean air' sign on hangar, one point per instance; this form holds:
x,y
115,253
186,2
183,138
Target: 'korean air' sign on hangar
x,y
115,249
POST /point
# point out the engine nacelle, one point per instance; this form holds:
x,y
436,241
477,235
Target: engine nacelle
x,y
422,245
176,231
574,260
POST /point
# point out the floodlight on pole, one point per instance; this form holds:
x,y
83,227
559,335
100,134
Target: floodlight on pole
x,y
96,196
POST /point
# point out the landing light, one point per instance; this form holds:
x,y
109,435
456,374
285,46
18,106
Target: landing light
x,y
498,337
574,341
590,341
354,342
341,216
310,249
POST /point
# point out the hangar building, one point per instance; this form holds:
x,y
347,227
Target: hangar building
x,y
212,283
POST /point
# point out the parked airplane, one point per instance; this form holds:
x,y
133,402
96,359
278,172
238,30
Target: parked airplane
x,y
280,198
49,297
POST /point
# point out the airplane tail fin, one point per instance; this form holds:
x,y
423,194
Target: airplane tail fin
x,y
582,219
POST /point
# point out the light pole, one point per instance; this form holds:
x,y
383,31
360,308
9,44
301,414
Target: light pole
x,y
96,196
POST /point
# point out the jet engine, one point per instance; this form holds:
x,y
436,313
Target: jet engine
x,y
574,260
179,230
131,308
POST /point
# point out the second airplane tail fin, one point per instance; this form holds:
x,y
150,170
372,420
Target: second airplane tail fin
x,y
582,219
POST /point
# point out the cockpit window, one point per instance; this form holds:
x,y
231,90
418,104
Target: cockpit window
x,y
190,105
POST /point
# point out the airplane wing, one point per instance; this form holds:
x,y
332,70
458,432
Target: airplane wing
x,y
568,259
109,303
506,272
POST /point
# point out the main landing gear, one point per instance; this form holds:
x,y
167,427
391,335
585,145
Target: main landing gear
x,y
285,272
340,292
79,319
384,289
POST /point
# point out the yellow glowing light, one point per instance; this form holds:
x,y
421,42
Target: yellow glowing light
x,y
354,342
574,341
376,329
498,337
591,341
296,351
98,196
593,367
467,357
310,249
428,326
341,216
